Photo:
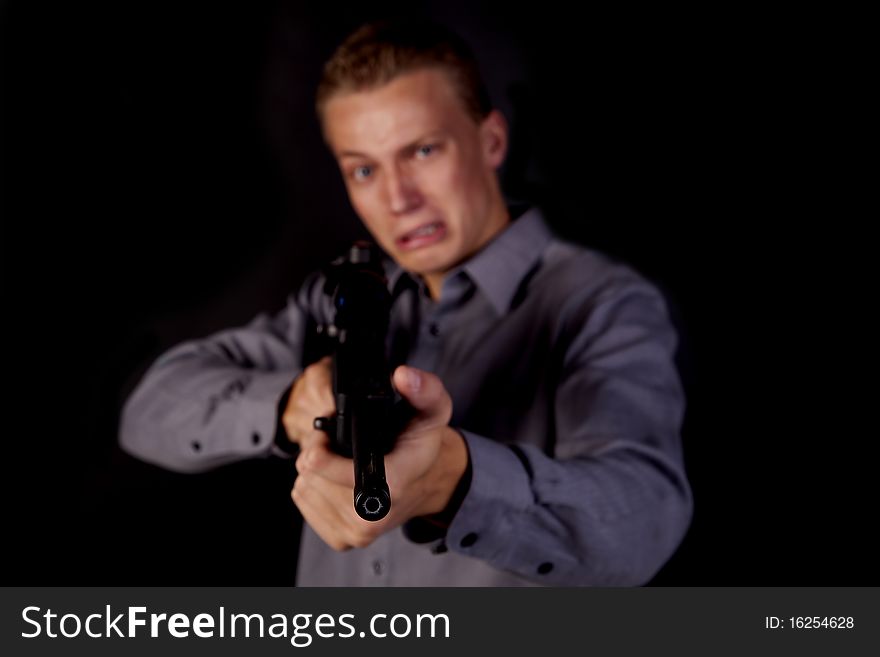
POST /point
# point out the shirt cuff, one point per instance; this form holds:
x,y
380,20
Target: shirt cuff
x,y
484,525
259,418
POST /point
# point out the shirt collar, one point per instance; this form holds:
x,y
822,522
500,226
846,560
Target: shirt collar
x,y
500,266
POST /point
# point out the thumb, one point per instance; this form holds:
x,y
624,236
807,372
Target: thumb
x,y
425,393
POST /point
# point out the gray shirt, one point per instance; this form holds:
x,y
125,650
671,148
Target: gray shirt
x,y
560,366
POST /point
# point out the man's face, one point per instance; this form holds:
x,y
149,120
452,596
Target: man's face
x,y
420,172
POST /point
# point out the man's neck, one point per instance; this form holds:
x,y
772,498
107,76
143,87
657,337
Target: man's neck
x,y
434,283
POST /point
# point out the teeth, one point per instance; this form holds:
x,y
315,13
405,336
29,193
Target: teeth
x,y
424,230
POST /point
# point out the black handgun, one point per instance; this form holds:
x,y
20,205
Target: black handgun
x,y
367,421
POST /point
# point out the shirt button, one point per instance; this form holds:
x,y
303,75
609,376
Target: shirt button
x,y
434,330
545,568
469,540
378,567
255,438
196,445
440,548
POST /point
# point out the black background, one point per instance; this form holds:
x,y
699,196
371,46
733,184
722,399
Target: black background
x,y
163,177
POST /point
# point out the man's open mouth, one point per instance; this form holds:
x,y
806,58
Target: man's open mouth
x,y
424,235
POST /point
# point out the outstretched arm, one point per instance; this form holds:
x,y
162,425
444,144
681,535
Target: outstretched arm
x,y
214,401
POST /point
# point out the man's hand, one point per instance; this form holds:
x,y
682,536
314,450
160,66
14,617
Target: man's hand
x,y
422,470
311,397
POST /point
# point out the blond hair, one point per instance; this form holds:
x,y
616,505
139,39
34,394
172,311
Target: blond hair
x,y
378,52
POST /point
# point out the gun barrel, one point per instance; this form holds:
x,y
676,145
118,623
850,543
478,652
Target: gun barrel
x,y
364,421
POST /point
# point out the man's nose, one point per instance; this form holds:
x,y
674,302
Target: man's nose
x,y
403,192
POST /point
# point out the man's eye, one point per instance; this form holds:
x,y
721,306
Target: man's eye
x,y
361,173
425,151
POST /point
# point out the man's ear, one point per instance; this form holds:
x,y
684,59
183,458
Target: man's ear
x,y
493,134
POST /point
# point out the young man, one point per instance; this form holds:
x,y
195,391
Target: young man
x,y
545,446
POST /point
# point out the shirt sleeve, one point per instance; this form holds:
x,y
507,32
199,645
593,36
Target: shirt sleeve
x,y
608,503
214,401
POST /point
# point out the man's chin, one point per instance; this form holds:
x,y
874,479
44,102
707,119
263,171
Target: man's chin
x,y
425,264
